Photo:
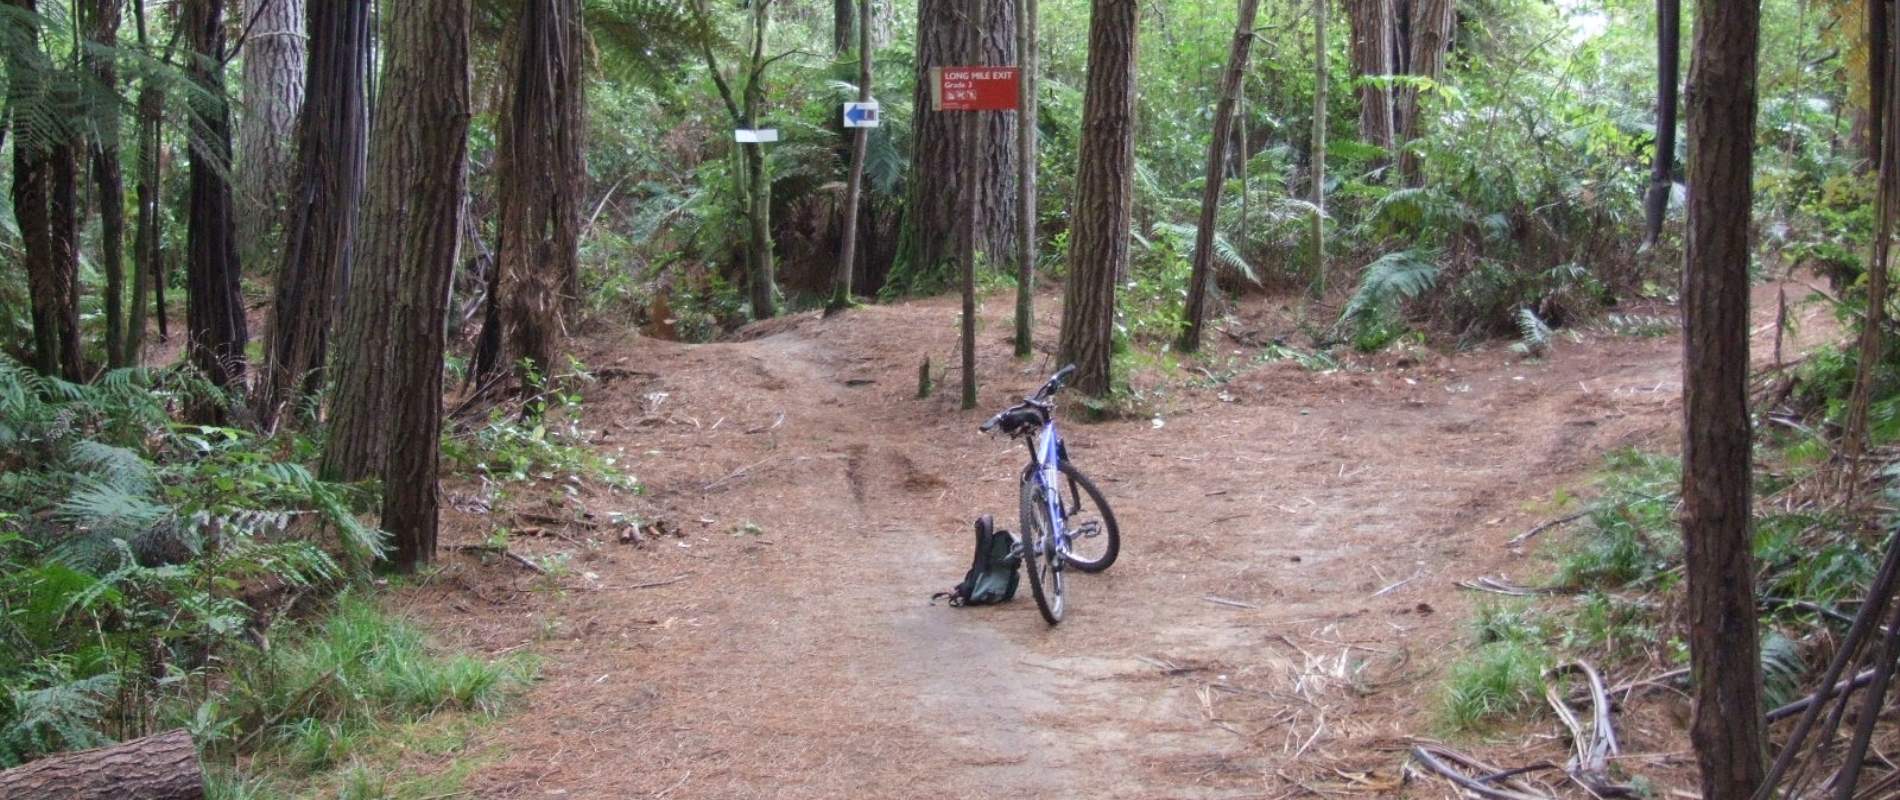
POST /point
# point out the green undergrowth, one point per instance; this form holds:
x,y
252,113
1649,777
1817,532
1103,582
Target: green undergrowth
x,y
542,440
356,704
157,574
1613,578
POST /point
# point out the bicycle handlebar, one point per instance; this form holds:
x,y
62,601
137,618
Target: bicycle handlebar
x,y
1039,402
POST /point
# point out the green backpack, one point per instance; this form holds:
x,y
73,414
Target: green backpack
x,y
992,576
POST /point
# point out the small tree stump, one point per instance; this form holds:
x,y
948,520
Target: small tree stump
x,y
159,767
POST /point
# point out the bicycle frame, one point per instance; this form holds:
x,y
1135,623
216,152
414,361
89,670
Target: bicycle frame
x,y
1045,454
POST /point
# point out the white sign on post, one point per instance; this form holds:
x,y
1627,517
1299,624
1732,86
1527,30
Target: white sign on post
x,y
758,136
861,115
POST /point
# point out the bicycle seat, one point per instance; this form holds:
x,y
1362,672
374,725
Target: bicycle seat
x,y
1015,420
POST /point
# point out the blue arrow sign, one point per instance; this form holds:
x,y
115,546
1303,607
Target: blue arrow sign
x,y
861,115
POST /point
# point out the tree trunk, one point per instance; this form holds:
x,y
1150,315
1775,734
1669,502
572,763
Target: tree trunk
x,y
1723,646
1879,35
320,225
390,377
1873,327
32,198
159,767
43,203
63,218
761,271
1319,148
103,19
1372,58
1028,158
854,186
973,125
1429,33
274,60
997,169
214,308
1104,197
1201,278
1662,176
841,25
147,269
540,178
927,245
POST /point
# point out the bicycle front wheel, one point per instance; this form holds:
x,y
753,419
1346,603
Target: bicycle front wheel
x,y
1040,558
1094,538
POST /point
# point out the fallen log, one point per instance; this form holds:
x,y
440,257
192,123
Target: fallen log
x,y
159,767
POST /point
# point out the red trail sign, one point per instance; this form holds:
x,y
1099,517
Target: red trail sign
x,y
975,88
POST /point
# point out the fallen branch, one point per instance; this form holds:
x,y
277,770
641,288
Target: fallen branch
x,y
737,473
656,584
504,553
1865,677
1527,535
1501,586
160,767
1590,767
1222,601
1435,758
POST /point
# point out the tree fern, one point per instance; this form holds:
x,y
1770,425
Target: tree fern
x,y
1225,253
1396,276
1534,335
1782,669
63,713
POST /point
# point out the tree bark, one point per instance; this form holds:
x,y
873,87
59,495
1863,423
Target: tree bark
x,y
540,176
927,244
214,308
1319,148
320,226
1873,327
1726,729
1372,58
854,185
1429,33
63,218
1879,52
1662,171
158,767
973,125
147,267
390,382
274,64
761,271
841,25
31,195
103,19
1201,278
44,206
1028,158
1104,198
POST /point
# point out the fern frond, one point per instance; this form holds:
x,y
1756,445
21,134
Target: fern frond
x,y
64,715
114,465
1782,669
1534,335
1225,253
1394,277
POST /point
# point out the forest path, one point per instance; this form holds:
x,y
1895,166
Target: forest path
x,y
1283,602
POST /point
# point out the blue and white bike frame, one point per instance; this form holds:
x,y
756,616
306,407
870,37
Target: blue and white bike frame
x,y
1047,453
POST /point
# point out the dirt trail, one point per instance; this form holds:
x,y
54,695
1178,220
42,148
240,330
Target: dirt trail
x,y
1328,517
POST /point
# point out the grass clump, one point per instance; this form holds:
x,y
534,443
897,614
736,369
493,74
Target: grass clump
x,y
1632,535
1498,679
309,698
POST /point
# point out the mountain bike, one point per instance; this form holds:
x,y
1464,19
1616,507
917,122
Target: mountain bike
x,y
1065,520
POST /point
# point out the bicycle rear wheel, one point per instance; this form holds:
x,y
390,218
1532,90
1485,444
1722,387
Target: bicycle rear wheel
x,y
1094,538
1040,558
